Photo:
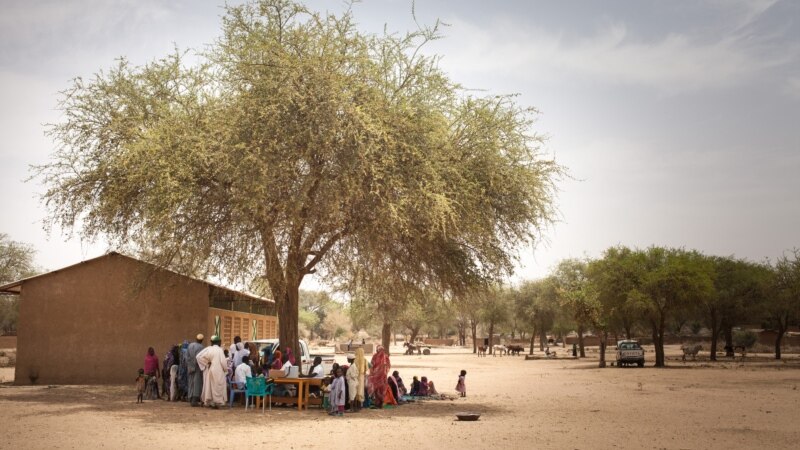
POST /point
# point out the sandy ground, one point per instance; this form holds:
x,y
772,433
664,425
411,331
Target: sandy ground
x,y
561,403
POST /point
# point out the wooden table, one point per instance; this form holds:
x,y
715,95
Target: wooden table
x,y
302,391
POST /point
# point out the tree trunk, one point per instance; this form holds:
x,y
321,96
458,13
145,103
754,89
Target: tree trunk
x,y
414,333
580,341
714,343
533,338
658,341
474,328
715,326
288,312
782,327
603,349
542,339
462,333
386,336
728,332
491,338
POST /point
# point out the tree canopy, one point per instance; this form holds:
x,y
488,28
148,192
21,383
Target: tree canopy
x,y
299,143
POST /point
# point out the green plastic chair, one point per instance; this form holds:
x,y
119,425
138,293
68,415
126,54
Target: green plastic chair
x,y
258,387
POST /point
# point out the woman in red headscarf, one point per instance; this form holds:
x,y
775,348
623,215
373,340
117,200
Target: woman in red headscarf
x,y
378,375
277,363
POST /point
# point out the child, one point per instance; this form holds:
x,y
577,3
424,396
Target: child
x,y
140,386
462,385
337,394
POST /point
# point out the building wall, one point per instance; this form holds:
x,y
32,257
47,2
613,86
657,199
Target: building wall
x,y
92,323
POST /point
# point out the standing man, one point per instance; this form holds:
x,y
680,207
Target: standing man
x,y
195,377
214,365
235,348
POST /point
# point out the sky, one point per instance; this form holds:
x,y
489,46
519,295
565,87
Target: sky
x,y
679,122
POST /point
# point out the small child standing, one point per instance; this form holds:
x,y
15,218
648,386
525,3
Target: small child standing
x,y
462,383
337,394
140,383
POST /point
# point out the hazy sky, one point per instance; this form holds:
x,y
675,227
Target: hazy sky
x,y
679,121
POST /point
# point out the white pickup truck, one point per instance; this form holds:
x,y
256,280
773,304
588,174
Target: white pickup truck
x,y
629,352
306,358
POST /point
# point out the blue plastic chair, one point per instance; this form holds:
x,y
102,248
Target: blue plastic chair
x,y
258,387
233,390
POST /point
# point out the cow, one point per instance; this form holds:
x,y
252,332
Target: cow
x,y
691,349
514,349
498,348
481,350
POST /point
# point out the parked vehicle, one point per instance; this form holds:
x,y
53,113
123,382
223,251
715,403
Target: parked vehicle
x,y
304,360
630,352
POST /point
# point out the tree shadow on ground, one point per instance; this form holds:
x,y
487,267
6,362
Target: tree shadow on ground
x,y
121,401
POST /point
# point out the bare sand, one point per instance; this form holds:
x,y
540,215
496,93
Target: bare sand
x,y
560,403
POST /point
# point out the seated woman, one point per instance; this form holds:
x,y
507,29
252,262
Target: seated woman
x,y
401,387
414,386
423,387
393,387
431,388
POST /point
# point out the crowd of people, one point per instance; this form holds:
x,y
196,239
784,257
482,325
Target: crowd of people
x,y
201,375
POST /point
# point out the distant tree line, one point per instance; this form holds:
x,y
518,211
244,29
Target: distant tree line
x,y
652,292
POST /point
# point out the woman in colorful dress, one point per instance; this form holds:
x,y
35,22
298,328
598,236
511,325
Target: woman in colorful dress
x,y
378,376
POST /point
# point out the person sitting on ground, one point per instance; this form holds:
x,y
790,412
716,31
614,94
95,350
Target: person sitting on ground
x,y
431,388
423,387
392,381
414,386
243,371
401,387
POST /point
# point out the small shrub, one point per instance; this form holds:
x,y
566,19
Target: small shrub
x,y
744,338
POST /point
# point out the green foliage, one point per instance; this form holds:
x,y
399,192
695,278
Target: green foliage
x,y
745,338
16,260
538,302
784,308
300,141
16,263
575,293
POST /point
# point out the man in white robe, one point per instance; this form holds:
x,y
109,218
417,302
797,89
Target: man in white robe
x,y
214,366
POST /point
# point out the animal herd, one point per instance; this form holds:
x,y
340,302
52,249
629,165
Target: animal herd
x,y
501,350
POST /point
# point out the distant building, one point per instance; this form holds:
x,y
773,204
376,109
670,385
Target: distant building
x,y
92,322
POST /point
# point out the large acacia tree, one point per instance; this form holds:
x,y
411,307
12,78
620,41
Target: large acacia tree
x,y
298,143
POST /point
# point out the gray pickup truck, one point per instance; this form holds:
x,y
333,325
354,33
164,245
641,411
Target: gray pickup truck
x,y
629,352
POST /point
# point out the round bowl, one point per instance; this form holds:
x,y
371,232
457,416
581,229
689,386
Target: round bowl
x,y
468,416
